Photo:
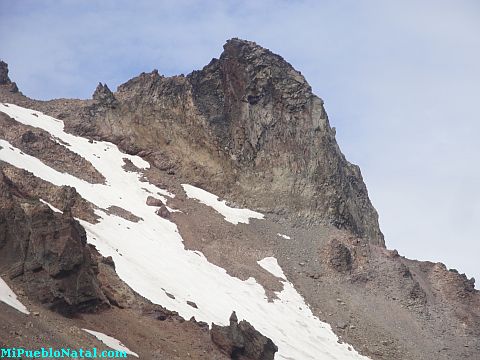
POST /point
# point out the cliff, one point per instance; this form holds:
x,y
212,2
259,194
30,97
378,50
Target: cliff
x,y
250,124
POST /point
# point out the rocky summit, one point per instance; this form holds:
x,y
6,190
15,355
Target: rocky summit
x,y
207,216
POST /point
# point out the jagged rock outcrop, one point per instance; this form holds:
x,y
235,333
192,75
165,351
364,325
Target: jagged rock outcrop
x,y
250,124
241,341
103,96
47,252
339,256
5,80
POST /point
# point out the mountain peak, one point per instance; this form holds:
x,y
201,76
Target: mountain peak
x,y
261,58
241,43
247,48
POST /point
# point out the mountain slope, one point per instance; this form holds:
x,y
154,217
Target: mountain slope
x,y
247,128
136,247
248,122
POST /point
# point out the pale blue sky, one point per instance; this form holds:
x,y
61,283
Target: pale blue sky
x,y
401,82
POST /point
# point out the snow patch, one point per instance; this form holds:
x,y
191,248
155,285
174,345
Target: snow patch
x,y
8,297
51,206
284,236
110,342
232,215
271,265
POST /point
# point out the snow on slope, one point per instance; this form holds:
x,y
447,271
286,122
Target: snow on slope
x,y
271,265
110,342
230,214
150,256
53,208
8,297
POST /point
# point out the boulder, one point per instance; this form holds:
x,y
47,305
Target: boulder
x,y
151,201
339,256
163,212
242,341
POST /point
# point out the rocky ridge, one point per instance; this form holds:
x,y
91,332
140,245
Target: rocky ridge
x,y
249,123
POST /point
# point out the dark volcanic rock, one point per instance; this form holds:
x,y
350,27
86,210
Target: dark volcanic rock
x,y
163,212
339,256
104,96
192,304
48,252
242,341
5,80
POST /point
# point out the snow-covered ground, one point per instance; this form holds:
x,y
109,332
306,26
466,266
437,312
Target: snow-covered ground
x,y
8,297
150,256
50,206
110,342
271,265
233,215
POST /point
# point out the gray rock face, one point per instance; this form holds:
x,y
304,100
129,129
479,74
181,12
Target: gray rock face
x,y
47,252
267,118
242,341
4,79
250,124
103,96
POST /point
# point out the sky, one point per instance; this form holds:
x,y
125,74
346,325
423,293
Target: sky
x,y
400,80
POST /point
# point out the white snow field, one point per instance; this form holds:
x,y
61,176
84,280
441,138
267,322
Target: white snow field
x,y
271,265
110,342
150,256
8,297
232,215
